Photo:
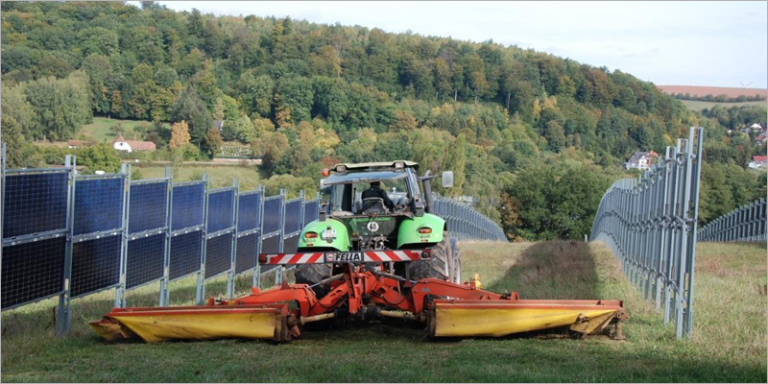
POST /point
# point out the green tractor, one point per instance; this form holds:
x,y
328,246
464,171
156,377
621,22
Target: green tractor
x,y
379,207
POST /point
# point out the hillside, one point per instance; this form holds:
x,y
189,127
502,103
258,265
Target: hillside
x,y
305,96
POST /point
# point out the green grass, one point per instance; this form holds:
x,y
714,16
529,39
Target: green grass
x,y
699,105
100,130
220,176
729,342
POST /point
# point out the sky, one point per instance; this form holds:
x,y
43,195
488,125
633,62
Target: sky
x,y
669,43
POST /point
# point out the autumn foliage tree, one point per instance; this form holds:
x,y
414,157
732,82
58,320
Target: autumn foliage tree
x,y
179,135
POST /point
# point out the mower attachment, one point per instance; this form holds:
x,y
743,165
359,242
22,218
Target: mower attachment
x,y
448,310
196,323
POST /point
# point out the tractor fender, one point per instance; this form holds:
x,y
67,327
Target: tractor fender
x,y
340,243
408,233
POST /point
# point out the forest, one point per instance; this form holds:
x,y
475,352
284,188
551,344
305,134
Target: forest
x,y
534,137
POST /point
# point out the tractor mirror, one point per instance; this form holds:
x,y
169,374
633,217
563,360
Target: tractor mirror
x,y
447,179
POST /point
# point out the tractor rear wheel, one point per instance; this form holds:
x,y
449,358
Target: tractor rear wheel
x,y
439,266
312,274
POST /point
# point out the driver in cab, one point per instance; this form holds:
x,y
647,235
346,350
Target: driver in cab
x,y
376,192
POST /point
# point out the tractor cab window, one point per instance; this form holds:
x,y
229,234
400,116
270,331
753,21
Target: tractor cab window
x,y
347,198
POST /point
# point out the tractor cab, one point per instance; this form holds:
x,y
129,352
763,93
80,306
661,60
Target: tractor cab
x,y
393,214
344,192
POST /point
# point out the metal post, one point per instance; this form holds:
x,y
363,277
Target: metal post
x,y
688,326
200,291
164,282
233,248
64,318
672,236
2,193
120,293
280,270
257,269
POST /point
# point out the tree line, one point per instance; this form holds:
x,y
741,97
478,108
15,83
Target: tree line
x,y
304,96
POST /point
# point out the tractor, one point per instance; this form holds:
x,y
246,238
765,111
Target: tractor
x,y
402,218
372,254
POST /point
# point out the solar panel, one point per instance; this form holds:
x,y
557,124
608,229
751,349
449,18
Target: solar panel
x,y
248,211
290,244
145,260
185,254
35,203
270,245
98,205
311,209
272,207
187,209
220,210
246,253
148,206
95,264
217,255
32,271
292,216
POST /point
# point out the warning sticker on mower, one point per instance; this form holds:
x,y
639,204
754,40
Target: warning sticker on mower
x,y
348,257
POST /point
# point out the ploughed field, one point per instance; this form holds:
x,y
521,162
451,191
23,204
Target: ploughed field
x,y
729,342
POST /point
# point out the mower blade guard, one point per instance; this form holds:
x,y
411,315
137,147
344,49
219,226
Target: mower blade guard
x,y
153,324
495,318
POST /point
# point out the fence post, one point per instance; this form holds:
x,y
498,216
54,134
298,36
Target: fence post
x,y
165,281
200,291
64,318
257,269
233,247
281,238
2,191
694,197
120,293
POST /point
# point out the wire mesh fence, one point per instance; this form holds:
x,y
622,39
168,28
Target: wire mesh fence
x,y
746,223
650,225
70,235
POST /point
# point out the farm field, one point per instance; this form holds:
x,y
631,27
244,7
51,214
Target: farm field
x,y
694,90
220,176
100,130
729,342
699,105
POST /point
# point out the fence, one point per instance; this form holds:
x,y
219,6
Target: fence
x,y
746,223
465,223
650,225
70,235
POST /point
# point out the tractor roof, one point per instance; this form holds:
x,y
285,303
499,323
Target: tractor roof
x,y
362,177
381,164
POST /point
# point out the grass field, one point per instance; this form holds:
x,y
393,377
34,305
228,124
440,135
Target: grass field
x,y
100,130
220,176
729,341
699,105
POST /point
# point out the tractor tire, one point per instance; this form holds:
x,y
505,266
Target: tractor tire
x,y
312,274
440,266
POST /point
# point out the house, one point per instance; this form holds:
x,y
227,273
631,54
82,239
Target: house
x,y
758,162
756,127
218,124
641,160
762,139
78,143
121,144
